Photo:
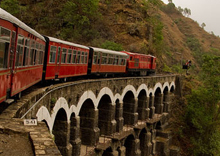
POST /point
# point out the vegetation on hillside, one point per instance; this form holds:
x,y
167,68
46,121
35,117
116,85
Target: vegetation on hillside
x,y
202,112
149,27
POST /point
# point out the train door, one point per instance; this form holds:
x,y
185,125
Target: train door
x,y
58,63
12,61
99,61
5,35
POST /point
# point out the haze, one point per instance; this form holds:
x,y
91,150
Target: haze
x,y
202,11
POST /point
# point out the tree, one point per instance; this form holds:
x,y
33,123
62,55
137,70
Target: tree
x,y
202,114
77,16
187,12
203,25
11,6
180,9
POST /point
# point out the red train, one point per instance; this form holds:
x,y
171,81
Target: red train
x,y
27,57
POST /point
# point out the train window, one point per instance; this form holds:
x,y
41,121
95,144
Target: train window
x,y
20,49
111,59
78,57
36,56
119,61
82,58
86,57
63,59
26,58
53,50
5,34
116,60
32,52
4,47
69,55
74,56
95,58
131,58
104,58
58,55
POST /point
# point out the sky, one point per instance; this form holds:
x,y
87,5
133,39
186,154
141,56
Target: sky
x,y
203,11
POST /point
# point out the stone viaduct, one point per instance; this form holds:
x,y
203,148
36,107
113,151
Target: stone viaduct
x,y
109,117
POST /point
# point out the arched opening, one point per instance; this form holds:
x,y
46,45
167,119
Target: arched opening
x,y
106,123
132,146
145,143
89,131
60,131
166,100
142,106
119,116
158,99
75,134
130,109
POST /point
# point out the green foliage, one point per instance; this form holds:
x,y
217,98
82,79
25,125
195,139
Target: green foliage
x,y
203,110
112,46
195,46
170,8
166,68
11,6
77,17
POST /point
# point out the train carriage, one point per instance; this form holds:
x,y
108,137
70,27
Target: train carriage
x,y
140,64
64,59
21,55
104,62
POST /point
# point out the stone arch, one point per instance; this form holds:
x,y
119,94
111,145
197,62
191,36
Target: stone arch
x,y
60,132
142,87
118,97
130,108
172,87
158,85
43,114
132,146
86,95
127,89
158,100
145,142
166,84
106,122
166,95
89,123
105,91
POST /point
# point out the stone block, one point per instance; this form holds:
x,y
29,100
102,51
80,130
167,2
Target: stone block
x,y
130,118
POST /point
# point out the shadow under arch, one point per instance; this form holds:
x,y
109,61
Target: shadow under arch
x,y
89,131
106,122
60,131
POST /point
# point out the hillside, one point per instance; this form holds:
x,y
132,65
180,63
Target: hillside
x,y
136,25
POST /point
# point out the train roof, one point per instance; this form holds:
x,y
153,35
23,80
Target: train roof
x,y
108,51
131,53
8,17
67,43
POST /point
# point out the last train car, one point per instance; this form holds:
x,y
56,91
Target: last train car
x,y
21,55
64,59
140,64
